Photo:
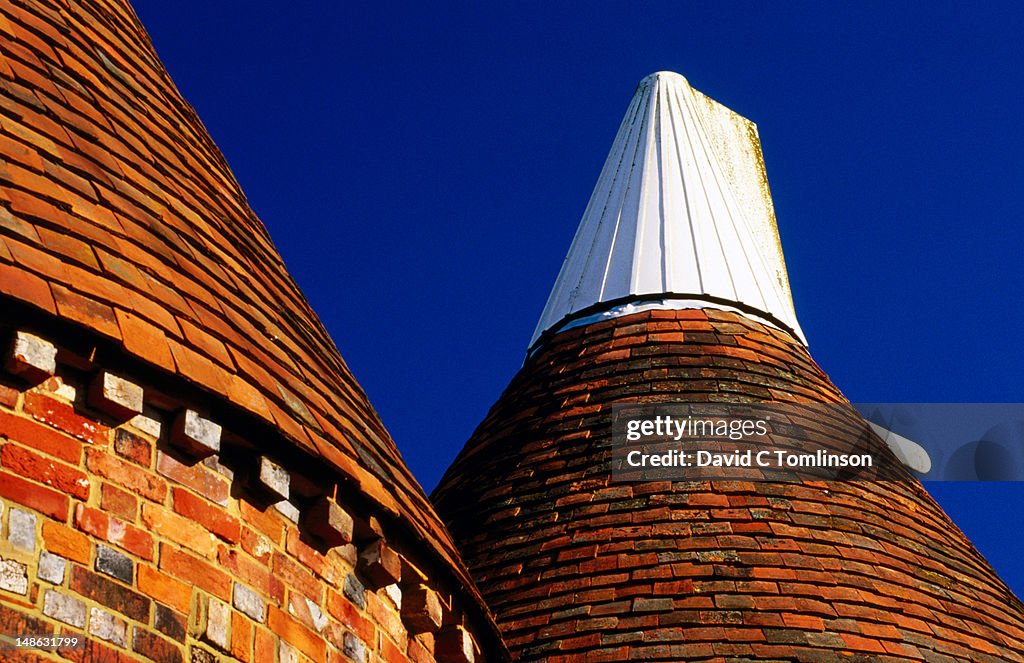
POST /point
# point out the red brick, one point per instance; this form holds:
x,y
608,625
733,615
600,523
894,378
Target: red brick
x,y
66,542
180,530
318,563
51,385
197,477
250,572
118,598
92,521
392,654
40,437
295,576
257,545
93,651
210,516
299,609
453,643
349,615
63,417
419,653
8,398
267,521
31,465
15,621
294,633
132,447
155,647
334,656
195,571
241,636
118,502
164,589
127,475
131,538
387,618
170,623
264,646
170,196
44,500
124,535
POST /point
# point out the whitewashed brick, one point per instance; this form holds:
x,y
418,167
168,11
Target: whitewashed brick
x,y
31,357
64,608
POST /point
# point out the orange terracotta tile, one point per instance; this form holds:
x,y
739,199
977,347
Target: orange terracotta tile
x,y
81,309
119,214
209,345
199,369
144,339
27,287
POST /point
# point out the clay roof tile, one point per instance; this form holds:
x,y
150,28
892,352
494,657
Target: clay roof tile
x,y
119,214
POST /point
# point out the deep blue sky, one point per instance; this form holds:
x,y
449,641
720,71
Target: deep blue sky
x,y
422,169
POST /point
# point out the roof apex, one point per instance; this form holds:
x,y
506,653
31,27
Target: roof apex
x,y
681,212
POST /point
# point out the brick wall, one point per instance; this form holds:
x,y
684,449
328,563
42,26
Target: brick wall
x,y
115,530
194,472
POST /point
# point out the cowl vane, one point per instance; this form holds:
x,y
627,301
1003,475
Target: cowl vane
x,y
681,217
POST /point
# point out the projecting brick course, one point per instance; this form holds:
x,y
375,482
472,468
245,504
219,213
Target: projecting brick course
x,y
118,213
157,362
176,576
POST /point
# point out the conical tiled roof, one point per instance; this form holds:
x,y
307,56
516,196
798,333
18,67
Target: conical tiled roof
x,y
577,566
118,214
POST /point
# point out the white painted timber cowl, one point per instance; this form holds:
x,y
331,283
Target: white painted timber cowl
x,y
681,217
